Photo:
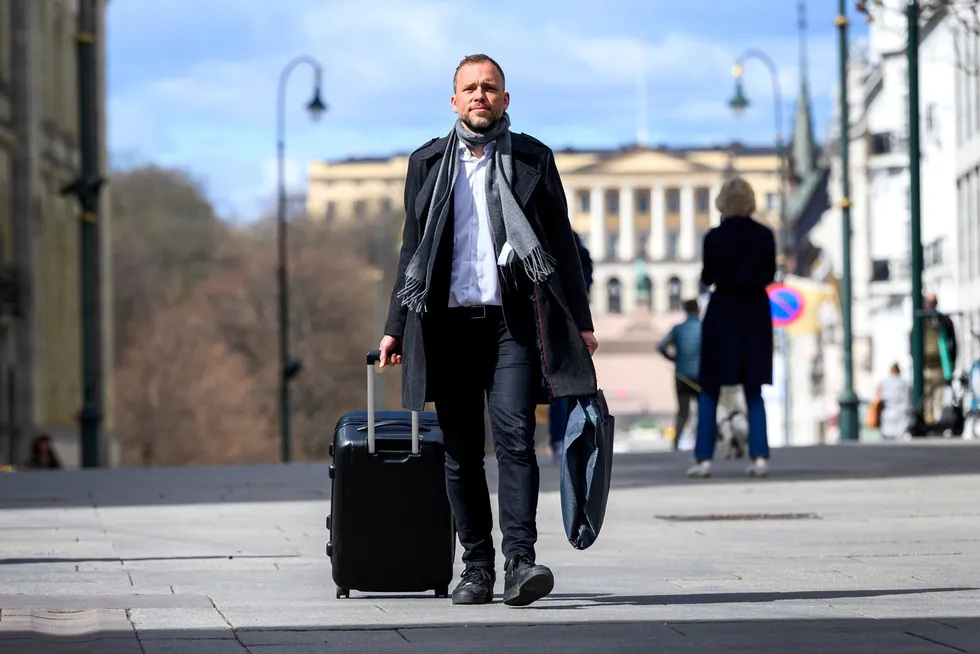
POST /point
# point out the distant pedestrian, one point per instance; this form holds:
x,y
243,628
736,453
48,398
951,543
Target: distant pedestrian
x,y
43,454
736,338
939,348
682,345
894,395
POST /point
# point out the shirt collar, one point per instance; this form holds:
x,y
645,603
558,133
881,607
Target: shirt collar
x,y
464,152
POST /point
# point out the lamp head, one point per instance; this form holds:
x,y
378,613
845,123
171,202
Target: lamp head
x,y
739,102
317,107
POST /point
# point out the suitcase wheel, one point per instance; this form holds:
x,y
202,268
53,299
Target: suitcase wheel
x,y
442,592
343,593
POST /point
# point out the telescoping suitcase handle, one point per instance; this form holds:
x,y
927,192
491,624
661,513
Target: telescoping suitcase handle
x,y
373,357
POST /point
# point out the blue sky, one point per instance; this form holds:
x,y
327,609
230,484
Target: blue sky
x,y
192,83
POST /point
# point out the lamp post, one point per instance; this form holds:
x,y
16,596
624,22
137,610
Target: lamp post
x,y
289,367
848,400
739,103
87,188
915,201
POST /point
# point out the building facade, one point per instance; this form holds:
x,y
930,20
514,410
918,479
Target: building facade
x,y
642,212
40,354
967,172
880,211
879,169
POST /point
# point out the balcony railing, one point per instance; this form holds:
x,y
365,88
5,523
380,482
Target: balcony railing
x,y
889,142
885,270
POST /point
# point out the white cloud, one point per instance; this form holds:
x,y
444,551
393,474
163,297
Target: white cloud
x,y
387,71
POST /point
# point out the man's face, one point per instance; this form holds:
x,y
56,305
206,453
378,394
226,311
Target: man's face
x,y
930,302
480,99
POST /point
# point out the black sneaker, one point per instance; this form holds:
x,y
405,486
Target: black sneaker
x,y
525,582
475,587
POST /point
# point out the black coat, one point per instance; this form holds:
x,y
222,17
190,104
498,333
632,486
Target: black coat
x,y
736,335
557,311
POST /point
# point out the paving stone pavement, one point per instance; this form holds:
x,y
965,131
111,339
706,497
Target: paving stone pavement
x,y
871,548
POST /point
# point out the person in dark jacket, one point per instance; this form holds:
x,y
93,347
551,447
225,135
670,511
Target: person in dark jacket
x,y
559,410
736,336
43,454
939,344
489,311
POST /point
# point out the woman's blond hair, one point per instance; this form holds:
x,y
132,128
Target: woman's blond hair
x,y
736,198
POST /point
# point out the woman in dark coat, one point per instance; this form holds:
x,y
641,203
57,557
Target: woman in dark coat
x,y
736,337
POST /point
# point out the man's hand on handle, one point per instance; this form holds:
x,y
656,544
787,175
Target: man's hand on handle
x,y
391,350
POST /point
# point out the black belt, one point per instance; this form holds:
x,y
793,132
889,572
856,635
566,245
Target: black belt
x,y
476,313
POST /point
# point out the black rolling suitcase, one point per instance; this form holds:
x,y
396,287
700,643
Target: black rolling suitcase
x,y
391,528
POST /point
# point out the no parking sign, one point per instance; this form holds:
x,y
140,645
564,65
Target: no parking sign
x,y
785,303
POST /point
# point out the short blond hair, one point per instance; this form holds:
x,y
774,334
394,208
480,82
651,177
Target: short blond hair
x,y
736,198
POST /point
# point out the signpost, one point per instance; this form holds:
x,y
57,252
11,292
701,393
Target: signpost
x,y
786,304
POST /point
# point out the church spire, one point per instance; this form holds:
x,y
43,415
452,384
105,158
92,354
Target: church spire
x,y
801,24
803,153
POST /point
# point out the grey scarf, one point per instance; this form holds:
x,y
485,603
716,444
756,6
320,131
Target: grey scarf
x,y
507,221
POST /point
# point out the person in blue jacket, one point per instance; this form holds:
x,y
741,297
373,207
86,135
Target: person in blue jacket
x,y
682,345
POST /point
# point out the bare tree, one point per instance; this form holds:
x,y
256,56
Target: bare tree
x,y
197,321
331,321
166,239
186,397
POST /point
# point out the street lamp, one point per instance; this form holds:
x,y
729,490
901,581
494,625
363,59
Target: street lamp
x,y
289,367
739,103
87,188
848,423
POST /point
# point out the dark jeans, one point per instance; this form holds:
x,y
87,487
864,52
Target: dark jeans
x,y
704,446
558,421
487,364
685,395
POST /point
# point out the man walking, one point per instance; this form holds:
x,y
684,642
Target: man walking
x,y
685,338
489,306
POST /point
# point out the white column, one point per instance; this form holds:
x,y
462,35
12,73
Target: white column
x,y
627,231
658,236
715,214
685,246
597,225
571,199
600,294
628,292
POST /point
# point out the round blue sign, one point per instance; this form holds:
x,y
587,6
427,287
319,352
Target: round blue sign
x,y
785,303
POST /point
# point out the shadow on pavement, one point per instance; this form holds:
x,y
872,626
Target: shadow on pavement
x,y
842,636
310,481
754,597
29,561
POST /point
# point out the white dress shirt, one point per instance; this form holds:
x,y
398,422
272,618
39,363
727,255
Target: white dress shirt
x,y
474,279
